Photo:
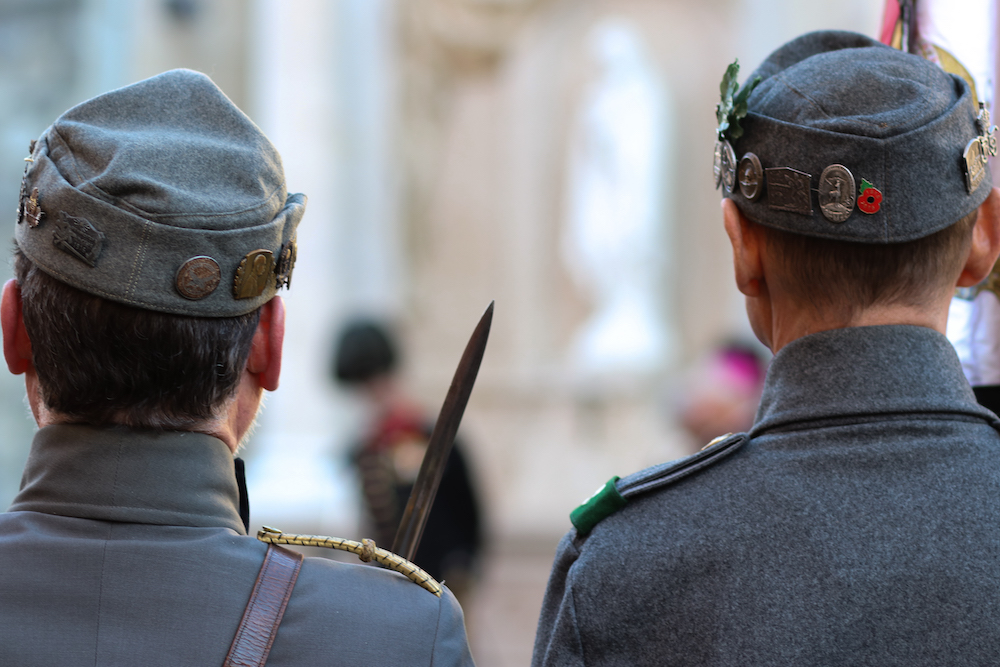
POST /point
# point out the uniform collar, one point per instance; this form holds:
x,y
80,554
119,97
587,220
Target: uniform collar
x,y
175,478
861,372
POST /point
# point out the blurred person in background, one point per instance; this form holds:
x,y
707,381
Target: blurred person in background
x,y
389,454
720,394
855,523
153,232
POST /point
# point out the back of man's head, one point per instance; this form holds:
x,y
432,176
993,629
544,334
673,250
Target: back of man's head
x,y
153,225
364,350
851,159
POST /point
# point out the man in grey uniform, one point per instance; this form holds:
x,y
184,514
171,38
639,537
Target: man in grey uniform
x,y
153,231
856,522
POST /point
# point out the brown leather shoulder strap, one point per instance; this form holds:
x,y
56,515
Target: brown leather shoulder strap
x,y
267,605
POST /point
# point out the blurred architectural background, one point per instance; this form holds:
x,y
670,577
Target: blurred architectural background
x,y
553,155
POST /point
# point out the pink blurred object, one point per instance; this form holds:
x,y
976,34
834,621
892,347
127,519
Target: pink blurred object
x,y
889,19
720,395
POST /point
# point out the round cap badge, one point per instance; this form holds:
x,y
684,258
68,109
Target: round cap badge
x,y
751,177
198,277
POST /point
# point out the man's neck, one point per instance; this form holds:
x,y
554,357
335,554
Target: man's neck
x,y
233,423
791,323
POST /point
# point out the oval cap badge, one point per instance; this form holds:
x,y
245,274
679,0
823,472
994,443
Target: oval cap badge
x,y
836,193
253,274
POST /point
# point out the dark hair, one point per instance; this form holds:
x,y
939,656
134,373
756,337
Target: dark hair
x,y
101,362
853,276
364,351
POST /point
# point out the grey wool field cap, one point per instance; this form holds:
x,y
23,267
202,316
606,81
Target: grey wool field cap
x,y
846,138
162,195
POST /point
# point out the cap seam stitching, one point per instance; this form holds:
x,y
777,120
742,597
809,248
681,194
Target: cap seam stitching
x,y
762,117
138,260
135,210
85,184
816,105
885,214
174,228
801,94
69,153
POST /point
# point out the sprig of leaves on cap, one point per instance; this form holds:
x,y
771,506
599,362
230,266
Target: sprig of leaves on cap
x,y
733,106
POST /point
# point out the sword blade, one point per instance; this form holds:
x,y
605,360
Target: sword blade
x,y
418,507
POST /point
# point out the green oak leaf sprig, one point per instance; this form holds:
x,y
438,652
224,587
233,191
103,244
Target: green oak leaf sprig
x,y
733,106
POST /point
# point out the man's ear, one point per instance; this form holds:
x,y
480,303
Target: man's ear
x,y
265,351
16,344
747,249
985,246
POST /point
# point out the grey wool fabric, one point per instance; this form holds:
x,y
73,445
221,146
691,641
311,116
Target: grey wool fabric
x,y
857,526
891,118
856,522
134,184
125,547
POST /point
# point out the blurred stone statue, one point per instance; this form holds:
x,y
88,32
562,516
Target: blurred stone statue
x,y
613,241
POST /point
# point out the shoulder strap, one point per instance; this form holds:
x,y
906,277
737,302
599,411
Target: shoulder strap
x,y
615,494
267,605
669,473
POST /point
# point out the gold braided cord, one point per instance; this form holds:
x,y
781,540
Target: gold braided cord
x,y
365,550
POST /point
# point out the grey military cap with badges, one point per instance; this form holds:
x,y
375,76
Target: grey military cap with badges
x,y
842,137
162,195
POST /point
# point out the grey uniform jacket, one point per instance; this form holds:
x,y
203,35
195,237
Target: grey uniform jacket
x,y
858,525
126,547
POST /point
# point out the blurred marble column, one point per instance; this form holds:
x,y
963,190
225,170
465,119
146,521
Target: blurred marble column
x,y
293,480
53,54
322,82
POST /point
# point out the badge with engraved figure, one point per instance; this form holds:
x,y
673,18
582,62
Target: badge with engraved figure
x,y
285,265
78,237
788,190
751,177
979,150
836,193
253,274
198,277
22,199
724,166
717,164
32,211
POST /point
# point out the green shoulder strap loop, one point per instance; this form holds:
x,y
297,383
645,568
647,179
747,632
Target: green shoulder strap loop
x,y
605,502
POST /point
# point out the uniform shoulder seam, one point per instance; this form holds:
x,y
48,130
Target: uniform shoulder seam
x,y
616,492
669,473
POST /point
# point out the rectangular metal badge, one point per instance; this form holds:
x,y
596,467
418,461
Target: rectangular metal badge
x,y
789,190
78,237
